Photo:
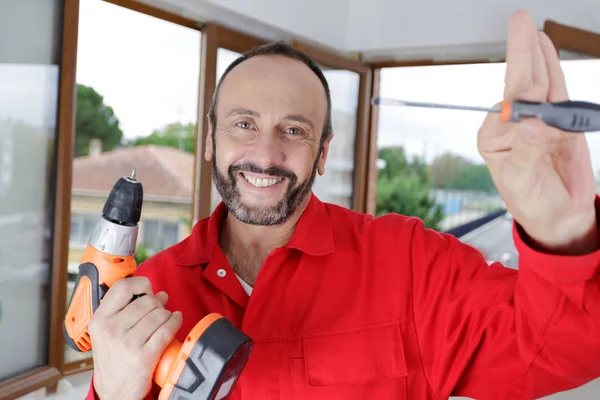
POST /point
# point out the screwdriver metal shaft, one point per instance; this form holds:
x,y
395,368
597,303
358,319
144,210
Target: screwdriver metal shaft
x,y
571,116
394,102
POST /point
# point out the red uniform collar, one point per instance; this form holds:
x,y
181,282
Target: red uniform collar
x,y
312,236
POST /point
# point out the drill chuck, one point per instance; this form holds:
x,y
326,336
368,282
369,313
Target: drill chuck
x,y
124,203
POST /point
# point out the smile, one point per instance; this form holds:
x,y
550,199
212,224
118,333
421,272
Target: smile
x,y
261,182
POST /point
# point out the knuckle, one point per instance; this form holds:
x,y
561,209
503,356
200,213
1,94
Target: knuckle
x,y
120,286
92,326
110,332
128,344
96,325
160,315
143,281
149,302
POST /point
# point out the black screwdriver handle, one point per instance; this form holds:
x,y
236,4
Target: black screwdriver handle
x,y
572,116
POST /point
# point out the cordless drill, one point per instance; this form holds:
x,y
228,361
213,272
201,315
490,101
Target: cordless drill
x,y
207,365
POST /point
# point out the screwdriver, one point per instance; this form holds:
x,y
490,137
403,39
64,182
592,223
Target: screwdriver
x,y
571,116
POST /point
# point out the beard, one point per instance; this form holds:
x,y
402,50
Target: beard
x,y
265,216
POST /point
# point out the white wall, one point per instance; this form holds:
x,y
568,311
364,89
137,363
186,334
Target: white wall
x,y
438,29
319,21
314,19
451,29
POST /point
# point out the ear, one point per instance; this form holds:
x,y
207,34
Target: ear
x,y
208,151
323,157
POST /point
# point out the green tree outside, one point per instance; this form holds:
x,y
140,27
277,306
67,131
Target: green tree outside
x,y
175,135
451,171
403,187
94,119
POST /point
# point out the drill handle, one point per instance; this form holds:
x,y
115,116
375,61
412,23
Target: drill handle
x,y
83,303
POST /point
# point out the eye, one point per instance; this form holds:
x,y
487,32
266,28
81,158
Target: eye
x,y
294,131
244,125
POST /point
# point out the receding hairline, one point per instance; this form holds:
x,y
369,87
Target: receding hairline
x,y
286,51
284,59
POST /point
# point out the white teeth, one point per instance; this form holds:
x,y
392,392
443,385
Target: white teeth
x,y
261,182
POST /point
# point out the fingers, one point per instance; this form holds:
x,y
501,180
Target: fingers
x,y
526,77
143,329
164,335
139,308
558,86
120,294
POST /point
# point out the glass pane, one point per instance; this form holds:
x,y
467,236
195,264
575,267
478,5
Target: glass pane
x,y
29,86
137,104
429,165
336,185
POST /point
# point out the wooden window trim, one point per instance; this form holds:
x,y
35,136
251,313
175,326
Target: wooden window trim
x,y
371,187
423,63
23,384
157,13
51,373
572,39
214,37
76,367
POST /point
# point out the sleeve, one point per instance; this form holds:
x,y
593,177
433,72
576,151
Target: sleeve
x,y
490,332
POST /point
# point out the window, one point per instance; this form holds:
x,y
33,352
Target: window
x,y
137,105
158,235
338,184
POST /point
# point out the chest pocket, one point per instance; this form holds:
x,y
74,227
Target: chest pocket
x,y
364,364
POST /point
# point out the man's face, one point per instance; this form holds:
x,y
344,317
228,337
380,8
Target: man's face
x,y
271,113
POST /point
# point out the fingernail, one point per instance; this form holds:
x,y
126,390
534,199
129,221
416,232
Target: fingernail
x,y
177,313
529,133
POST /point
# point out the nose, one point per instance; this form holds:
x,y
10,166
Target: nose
x,y
267,150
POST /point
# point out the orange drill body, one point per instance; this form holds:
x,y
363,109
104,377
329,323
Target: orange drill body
x,y
207,364
108,269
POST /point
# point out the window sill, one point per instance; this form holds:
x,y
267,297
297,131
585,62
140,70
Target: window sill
x,y
27,383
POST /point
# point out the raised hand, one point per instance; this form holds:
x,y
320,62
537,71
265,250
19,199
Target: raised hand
x,y
544,175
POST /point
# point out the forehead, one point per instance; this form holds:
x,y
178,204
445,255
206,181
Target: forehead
x,y
274,84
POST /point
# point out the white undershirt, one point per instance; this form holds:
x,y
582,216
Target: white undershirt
x,y
246,287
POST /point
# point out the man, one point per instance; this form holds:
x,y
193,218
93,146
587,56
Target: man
x,y
347,306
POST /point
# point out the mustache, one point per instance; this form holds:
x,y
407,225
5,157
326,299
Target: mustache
x,y
255,169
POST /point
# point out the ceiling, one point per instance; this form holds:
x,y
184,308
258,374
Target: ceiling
x,y
388,29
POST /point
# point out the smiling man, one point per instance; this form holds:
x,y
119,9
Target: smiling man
x,y
343,305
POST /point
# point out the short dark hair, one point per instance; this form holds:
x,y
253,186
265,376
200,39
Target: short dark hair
x,y
282,49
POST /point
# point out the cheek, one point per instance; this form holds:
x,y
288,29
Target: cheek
x,y
301,162
228,153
